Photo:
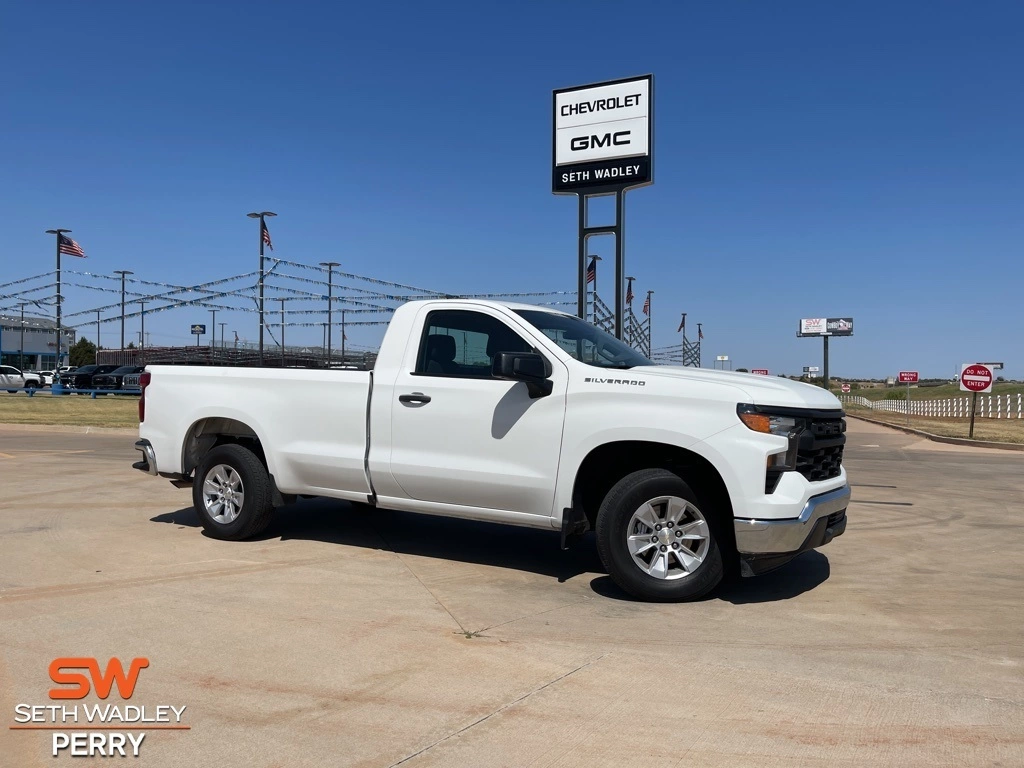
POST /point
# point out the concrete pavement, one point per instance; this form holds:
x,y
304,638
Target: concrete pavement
x,y
364,638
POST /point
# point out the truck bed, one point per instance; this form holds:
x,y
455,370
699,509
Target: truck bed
x,y
314,419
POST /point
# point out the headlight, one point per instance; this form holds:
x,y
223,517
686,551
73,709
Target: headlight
x,y
767,423
788,427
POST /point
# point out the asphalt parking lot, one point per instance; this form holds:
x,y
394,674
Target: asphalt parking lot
x,y
366,638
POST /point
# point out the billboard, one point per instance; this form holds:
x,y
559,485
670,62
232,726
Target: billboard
x,y
826,326
603,136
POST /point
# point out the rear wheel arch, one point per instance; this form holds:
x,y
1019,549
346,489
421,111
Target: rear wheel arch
x,y
207,433
607,464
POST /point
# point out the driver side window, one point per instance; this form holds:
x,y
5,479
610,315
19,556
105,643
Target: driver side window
x,y
462,343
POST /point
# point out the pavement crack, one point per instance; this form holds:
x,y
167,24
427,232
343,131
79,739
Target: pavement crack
x,y
498,711
430,592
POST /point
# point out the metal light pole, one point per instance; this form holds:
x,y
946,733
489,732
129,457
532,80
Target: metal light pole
x,y
213,330
282,331
262,215
58,233
330,285
97,330
123,273
650,323
142,316
21,344
221,334
343,337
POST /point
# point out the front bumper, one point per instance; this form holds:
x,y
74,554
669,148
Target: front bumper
x,y
764,545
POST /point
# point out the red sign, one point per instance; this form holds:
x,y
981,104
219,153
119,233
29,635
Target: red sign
x,y
761,371
846,388
908,377
976,378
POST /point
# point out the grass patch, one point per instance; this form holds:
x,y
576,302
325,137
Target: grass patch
x,y
998,430
934,393
69,410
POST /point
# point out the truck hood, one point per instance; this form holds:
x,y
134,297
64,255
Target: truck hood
x,y
760,390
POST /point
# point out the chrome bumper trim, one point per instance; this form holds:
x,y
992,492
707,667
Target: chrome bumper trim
x,y
148,463
789,535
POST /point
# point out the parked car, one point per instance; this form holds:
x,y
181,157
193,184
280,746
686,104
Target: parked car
x,y
523,415
81,378
47,377
13,379
132,380
115,379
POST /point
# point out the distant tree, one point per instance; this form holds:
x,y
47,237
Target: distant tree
x,y
83,352
131,345
1000,378
742,370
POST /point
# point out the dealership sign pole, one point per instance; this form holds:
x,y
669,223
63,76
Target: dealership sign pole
x,y
602,144
825,327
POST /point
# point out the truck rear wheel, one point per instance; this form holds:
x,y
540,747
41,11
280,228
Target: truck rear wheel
x,y
657,539
232,493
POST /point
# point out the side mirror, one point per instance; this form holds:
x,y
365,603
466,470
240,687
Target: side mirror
x,y
529,367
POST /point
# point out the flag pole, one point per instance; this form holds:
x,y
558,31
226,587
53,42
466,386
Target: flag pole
x,y
263,227
682,327
58,233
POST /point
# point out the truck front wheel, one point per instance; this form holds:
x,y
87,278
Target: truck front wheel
x,y
232,493
657,539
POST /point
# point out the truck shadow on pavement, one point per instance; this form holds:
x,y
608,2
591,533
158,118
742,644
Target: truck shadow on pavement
x,y
803,574
503,546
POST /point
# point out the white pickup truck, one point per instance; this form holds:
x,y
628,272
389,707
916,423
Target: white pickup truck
x,y
522,415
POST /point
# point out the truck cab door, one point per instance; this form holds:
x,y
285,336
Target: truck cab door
x,y
460,436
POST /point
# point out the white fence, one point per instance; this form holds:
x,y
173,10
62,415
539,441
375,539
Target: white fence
x,y
989,406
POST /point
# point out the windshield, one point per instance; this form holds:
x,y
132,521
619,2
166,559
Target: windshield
x,y
587,343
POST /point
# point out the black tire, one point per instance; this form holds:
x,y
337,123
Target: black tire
x,y
31,385
256,510
625,499
12,391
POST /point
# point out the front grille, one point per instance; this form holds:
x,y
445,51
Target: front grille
x,y
820,451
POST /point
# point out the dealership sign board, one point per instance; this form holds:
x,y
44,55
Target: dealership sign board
x,y
603,136
826,326
760,371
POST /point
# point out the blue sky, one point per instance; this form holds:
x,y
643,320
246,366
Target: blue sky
x,y
812,159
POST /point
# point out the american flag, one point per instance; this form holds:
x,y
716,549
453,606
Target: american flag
x,y
647,305
629,293
592,271
700,334
69,247
265,234
682,324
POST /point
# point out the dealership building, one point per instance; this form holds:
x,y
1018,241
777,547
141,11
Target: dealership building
x,y
32,345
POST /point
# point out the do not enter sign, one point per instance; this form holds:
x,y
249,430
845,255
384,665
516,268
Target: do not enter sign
x,y
976,378
846,388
